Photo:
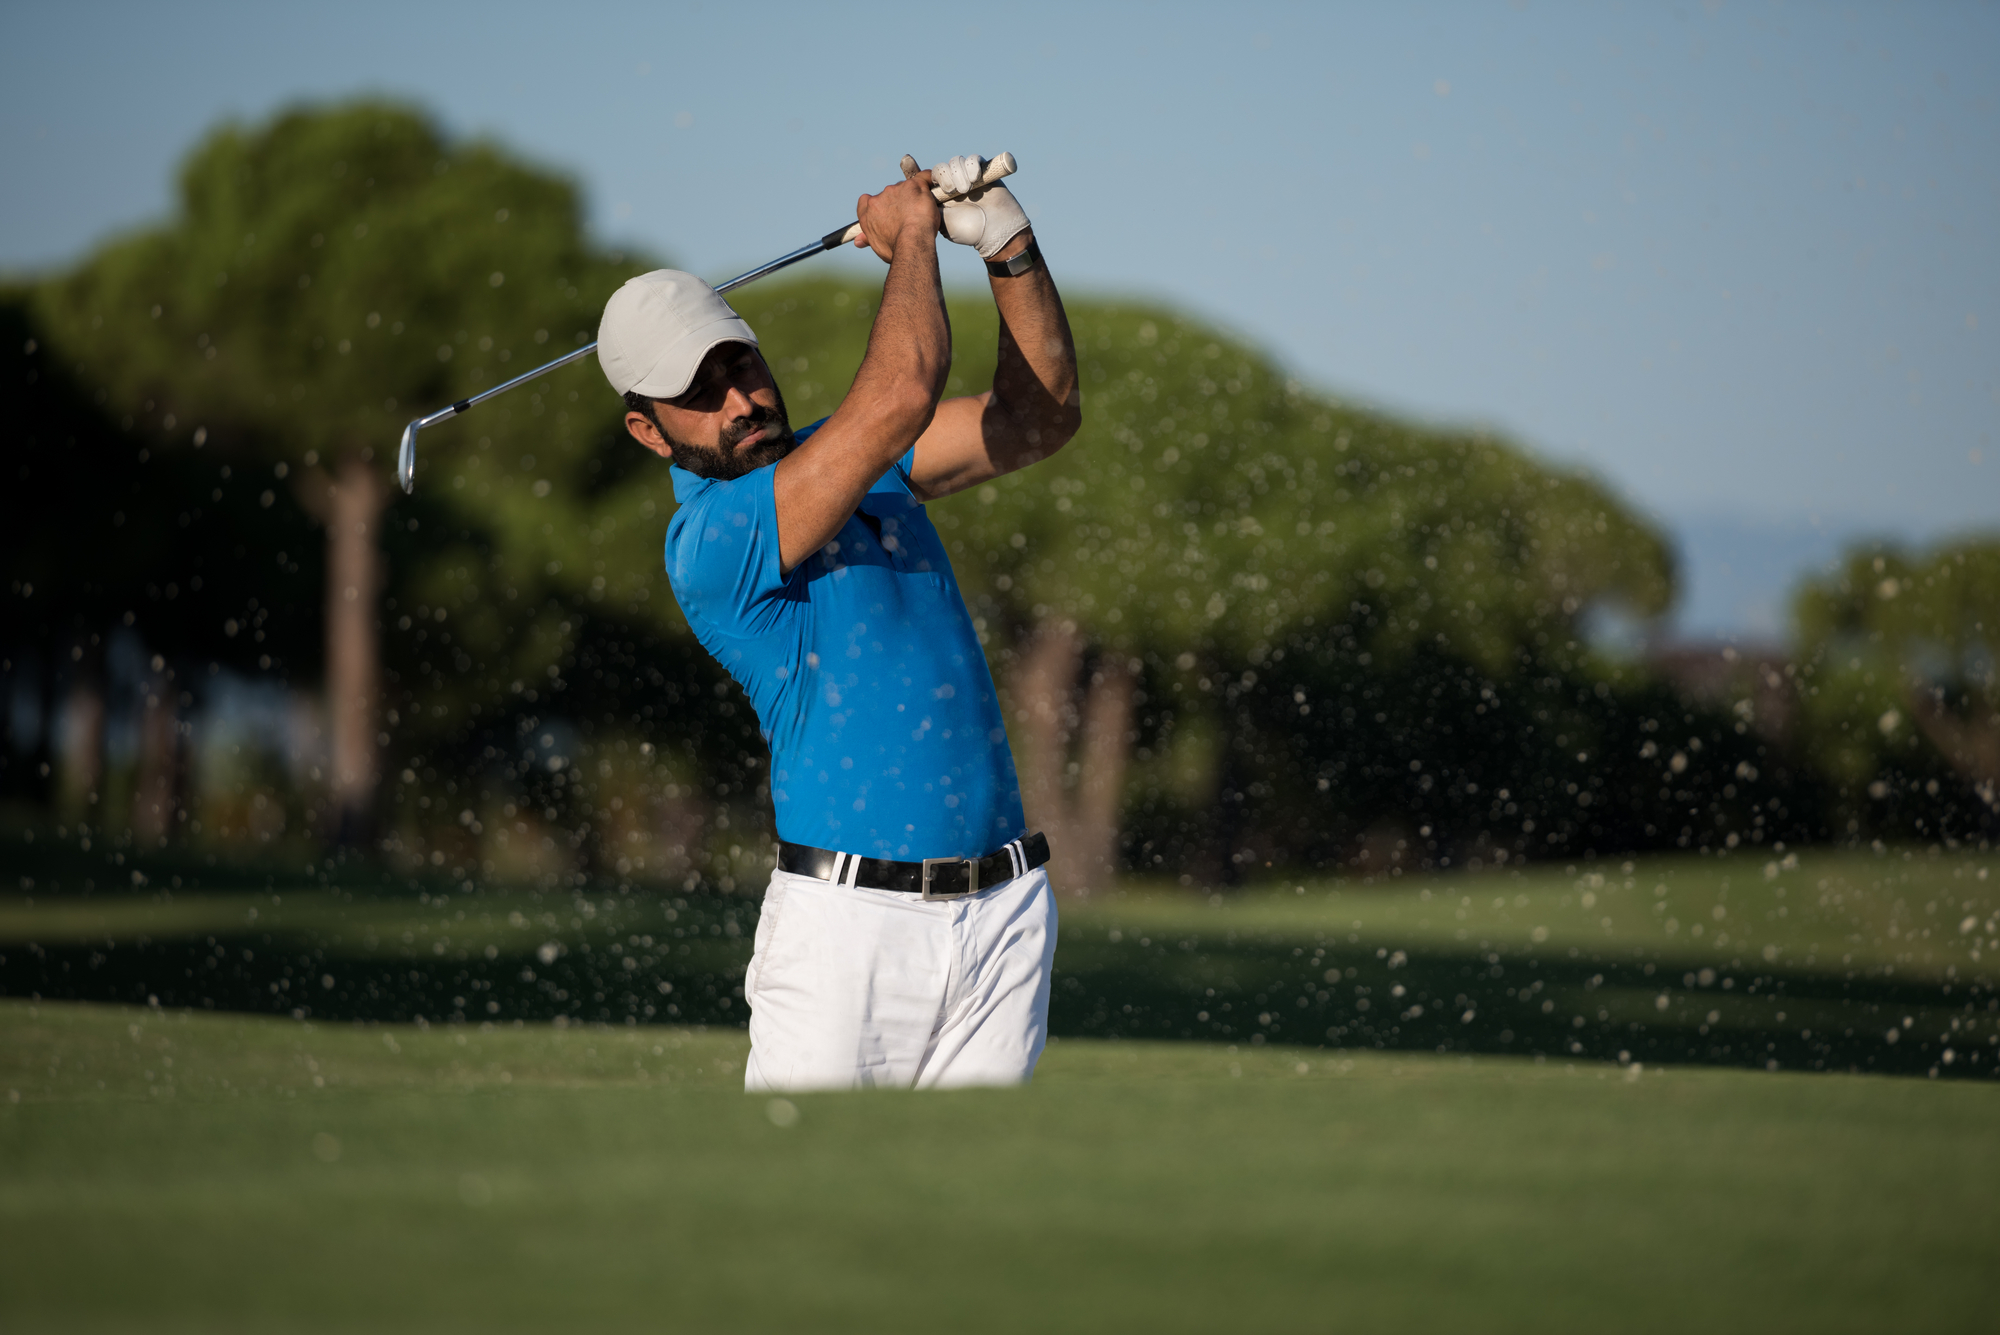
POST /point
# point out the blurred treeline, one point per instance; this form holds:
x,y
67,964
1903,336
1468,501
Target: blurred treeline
x,y
1239,624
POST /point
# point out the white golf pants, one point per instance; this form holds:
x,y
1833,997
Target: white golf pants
x,y
853,988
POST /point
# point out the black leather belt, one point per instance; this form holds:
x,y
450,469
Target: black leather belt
x,y
959,877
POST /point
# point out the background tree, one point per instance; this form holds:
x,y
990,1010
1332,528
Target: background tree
x,y
326,277
1214,513
176,555
1901,703
1216,526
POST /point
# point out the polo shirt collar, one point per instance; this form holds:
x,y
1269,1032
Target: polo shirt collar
x,y
686,485
889,496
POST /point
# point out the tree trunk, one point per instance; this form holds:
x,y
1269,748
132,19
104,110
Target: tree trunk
x,y
1044,686
1971,745
353,513
82,760
34,709
1229,800
1077,802
1107,746
153,805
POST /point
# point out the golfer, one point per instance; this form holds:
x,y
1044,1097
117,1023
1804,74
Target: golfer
x,y
908,932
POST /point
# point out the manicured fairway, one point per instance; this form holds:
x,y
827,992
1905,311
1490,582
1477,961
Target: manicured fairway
x,y
1866,961
166,1171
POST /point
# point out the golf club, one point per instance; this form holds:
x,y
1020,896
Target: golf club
x,y
991,171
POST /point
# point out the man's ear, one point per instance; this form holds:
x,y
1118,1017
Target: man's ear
x,y
642,430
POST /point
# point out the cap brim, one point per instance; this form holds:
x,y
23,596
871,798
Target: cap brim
x,y
669,377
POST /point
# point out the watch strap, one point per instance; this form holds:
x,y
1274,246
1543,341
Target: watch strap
x,y
1017,266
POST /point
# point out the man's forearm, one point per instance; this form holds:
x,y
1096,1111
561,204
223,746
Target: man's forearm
x,y
892,400
1036,404
909,348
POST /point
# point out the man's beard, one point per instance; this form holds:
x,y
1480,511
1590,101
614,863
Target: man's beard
x,y
724,461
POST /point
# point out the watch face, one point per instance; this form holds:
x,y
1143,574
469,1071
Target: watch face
x,y
1017,266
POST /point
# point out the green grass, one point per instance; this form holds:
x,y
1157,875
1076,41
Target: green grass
x,y
1852,961
1827,960
163,1171
1511,1100
1929,914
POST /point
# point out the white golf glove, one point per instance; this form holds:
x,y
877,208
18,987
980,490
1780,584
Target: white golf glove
x,y
986,220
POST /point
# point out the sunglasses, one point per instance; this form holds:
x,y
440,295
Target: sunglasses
x,y
718,372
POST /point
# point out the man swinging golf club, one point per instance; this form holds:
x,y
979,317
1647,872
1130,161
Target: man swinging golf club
x,y
908,932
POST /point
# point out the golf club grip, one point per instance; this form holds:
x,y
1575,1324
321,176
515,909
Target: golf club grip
x,y
991,172
996,170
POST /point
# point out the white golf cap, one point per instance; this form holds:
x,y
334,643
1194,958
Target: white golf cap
x,y
658,327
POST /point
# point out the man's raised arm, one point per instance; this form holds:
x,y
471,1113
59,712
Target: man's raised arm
x,y
1035,405
895,393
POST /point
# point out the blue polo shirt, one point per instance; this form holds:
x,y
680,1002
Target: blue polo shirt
x,y
862,664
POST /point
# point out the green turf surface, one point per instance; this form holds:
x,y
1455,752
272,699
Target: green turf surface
x,y
162,1171
1861,961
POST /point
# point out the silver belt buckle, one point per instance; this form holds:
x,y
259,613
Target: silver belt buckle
x,y
971,877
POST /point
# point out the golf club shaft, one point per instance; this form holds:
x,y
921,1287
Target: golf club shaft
x,y
994,170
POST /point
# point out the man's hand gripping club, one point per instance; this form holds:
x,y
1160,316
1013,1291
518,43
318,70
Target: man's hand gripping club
x,y
1034,406
985,217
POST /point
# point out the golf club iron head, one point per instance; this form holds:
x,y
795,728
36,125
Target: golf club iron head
x,y
406,459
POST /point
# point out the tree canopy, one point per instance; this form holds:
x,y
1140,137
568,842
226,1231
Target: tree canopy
x,y
1215,519
1904,700
324,278
328,276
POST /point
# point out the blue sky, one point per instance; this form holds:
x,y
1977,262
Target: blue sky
x,y
1738,259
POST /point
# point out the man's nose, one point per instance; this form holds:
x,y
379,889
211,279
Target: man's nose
x,y
737,404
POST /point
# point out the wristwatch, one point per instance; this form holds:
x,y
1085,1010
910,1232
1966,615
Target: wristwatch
x,y
1017,266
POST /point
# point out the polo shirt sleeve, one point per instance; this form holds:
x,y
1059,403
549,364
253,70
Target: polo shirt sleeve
x,y
726,564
